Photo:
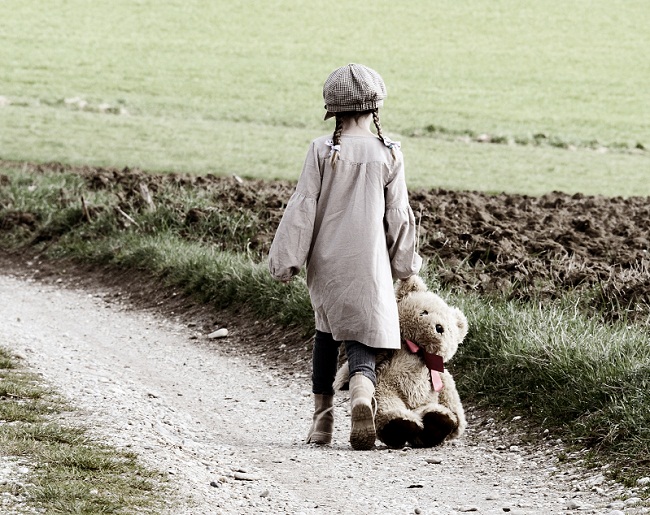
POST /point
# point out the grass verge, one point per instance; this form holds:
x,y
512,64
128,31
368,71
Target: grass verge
x,y
566,370
58,468
584,380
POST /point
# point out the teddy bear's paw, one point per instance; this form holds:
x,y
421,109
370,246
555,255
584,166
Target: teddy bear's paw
x,y
342,378
398,431
437,427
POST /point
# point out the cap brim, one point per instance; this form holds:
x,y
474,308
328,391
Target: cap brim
x,y
329,115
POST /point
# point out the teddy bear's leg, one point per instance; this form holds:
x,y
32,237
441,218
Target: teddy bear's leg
x,y
450,399
439,423
396,424
398,431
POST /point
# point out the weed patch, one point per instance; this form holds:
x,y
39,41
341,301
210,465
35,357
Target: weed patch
x,y
64,470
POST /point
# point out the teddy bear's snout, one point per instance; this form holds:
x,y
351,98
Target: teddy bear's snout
x,y
431,342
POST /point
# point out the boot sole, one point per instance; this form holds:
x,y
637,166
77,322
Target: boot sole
x,y
320,438
362,434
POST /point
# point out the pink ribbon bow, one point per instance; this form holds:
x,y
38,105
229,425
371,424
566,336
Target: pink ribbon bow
x,y
433,362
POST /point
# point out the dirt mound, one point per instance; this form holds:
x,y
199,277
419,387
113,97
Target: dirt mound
x,y
515,246
525,246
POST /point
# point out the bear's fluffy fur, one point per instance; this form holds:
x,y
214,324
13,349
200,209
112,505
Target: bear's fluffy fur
x,y
408,408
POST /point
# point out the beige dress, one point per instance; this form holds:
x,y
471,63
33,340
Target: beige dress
x,y
354,228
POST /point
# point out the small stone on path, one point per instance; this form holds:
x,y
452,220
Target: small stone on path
x,y
632,501
219,333
241,476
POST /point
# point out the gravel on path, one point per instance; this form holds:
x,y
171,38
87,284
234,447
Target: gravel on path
x,y
229,429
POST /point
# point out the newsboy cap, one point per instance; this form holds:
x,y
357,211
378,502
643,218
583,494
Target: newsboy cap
x,y
353,87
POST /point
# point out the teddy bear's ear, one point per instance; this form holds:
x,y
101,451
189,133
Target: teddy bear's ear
x,y
461,322
410,285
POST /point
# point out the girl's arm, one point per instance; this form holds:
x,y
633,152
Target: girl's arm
x,y
400,226
292,240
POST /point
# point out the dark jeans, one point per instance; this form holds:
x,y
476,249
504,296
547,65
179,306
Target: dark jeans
x,y
361,359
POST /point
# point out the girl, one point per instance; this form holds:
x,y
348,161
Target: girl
x,y
350,221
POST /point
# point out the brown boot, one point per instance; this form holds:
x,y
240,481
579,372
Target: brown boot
x,y
323,422
362,407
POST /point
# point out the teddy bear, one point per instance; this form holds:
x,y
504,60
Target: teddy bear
x,y
416,399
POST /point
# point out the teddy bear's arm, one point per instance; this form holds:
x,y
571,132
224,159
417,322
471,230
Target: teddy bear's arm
x,y
449,397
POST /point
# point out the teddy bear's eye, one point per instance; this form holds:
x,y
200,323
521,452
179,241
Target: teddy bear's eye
x,y
439,329
424,313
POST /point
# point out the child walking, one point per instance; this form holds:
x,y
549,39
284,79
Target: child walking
x,y
350,222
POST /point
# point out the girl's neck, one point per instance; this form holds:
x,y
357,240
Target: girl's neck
x,y
358,127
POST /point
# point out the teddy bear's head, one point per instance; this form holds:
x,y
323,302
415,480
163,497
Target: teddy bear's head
x,y
427,320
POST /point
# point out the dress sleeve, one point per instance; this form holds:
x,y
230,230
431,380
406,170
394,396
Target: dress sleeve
x,y
292,240
400,226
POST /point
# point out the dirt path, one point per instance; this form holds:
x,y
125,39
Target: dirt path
x,y
165,391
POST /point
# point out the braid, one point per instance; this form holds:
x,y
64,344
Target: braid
x,y
375,118
336,139
380,135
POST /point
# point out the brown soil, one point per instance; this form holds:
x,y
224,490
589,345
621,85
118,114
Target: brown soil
x,y
515,246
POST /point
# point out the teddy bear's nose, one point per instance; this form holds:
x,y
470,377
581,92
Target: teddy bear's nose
x,y
439,329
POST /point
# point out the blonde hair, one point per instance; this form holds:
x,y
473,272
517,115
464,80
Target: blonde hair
x,y
338,130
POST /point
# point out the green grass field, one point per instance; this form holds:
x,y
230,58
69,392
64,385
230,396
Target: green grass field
x,y
227,88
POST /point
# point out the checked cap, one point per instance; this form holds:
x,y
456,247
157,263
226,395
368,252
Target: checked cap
x,y
354,87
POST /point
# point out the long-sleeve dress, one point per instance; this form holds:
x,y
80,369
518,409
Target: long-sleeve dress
x,y
354,228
